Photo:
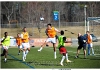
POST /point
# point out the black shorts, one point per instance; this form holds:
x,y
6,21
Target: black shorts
x,y
83,45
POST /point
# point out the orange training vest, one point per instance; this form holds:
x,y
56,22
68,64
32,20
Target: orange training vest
x,y
89,40
51,32
18,41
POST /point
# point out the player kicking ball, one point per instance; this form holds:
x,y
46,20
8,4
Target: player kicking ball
x,y
62,49
51,33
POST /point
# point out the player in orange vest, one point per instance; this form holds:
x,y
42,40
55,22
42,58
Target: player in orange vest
x,y
25,43
51,32
19,43
89,43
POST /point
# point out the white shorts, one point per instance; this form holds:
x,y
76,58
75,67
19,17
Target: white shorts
x,y
5,47
52,40
25,45
20,47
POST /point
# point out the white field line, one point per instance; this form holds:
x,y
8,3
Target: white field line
x,y
80,53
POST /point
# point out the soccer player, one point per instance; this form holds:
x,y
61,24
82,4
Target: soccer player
x,y
82,44
5,45
61,46
89,43
25,43
19,43
51,33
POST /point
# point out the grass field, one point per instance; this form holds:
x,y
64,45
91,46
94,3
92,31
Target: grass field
x,y
45,59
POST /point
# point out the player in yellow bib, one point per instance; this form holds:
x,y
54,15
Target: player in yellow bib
x,y
25,43
5,45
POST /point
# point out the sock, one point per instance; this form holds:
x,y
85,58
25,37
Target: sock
x,y
55,55
5,59
41,48
66,56
24,55
92,50
27,52
62,59
18,52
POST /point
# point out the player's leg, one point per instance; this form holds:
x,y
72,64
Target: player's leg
x,y
92,48
88,49
78,51
46,42
53,40
18,50
62,60
6,53
3,52
24,50
28,48
64,55
84,50
54,47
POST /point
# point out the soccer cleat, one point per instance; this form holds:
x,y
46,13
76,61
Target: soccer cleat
x,y
61,64
18,53
39,50
68,61
23,59
76,56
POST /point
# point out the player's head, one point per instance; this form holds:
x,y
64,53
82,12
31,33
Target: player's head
x,y
5,33
79,34
18,35
87,32
24,29
49,26
62,32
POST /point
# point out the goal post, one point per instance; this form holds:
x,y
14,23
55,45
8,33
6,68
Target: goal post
x,y
96,19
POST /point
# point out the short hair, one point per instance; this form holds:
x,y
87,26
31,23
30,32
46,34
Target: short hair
x,y
5,32
88,31
49,24
62,32
24,27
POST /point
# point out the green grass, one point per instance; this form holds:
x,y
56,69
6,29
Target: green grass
x,y
45,59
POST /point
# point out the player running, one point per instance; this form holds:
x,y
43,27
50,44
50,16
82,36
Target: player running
x,y
25,43
19,43
51,32
5,45
61,46
89,43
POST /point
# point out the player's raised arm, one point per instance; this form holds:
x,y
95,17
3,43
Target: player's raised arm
x,y
57,30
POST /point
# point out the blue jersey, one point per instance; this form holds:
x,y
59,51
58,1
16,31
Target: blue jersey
x,y
81,40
